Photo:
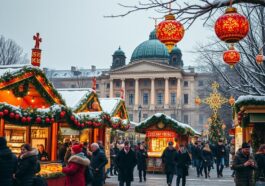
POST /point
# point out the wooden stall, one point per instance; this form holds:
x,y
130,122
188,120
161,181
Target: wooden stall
x,y
249,119
161,129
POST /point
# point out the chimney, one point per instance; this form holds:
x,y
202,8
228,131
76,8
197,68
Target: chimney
x,y
73,68
192,70
93,68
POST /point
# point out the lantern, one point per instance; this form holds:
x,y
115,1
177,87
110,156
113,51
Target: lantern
x,y
197,101
259,58
232,26
170,31
231,56
95,106
36,57
231,100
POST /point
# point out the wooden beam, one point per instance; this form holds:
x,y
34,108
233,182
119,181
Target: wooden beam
x,y
2,127
54,143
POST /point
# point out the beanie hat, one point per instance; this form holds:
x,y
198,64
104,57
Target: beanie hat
x,y
245,145
2,142
77,148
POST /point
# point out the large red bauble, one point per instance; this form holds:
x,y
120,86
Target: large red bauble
x,y
72,118
24,119
28,119
12,115
1,114
52,120
170,31
6,112
62,114
47,120
259,58
231,56
38,119
17,116
232,26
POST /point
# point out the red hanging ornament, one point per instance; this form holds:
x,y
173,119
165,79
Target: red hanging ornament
x,y
6,112
1,114
23,119
170,31
47,120
62,114
38,119
72,118
28,119
12,115
52,120
232,26
259,58
231,56
17,117
82,125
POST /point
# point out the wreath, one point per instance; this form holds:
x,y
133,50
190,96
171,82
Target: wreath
x,y
21,90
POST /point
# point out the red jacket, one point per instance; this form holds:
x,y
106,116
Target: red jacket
x,y
75,170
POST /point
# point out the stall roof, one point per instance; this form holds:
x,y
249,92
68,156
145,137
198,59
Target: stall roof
x,y
110,105
174,124
249,100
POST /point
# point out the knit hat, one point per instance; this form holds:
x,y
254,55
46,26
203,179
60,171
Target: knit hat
x,y
2,142
77,148
245,145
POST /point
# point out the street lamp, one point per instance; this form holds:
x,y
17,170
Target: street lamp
x,y
140,112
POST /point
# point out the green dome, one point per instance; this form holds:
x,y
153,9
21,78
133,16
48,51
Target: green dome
x,y
175,50
119,52
151,49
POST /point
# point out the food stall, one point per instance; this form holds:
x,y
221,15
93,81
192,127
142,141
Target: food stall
x,y
249,120
161,129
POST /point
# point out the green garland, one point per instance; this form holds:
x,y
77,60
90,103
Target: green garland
x,y
25,88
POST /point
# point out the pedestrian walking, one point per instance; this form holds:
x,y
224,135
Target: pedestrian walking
x,y
220,158
168,160
77,164
63,149
197,155
227,152
183,161
141,162
8,164
113,154
232,152
260,159
244,166
27,166
207,157
98,162
126,161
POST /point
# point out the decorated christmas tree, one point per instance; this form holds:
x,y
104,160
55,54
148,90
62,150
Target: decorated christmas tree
x,y
216,132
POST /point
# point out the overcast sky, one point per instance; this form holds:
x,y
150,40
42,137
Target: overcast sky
x,y
75,33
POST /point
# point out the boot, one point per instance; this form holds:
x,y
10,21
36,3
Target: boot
x,y
144,178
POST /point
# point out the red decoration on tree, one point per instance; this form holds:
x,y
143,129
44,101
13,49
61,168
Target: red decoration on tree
x,y
17,117
231,56
28,119
24,119
12,115
232,26
1,114
38,119
6,112
170,31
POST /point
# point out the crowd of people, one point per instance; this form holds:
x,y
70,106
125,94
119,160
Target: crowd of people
x,y
84,164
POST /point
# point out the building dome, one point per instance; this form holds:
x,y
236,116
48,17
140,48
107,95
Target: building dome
x,y
118,59
151,49
176,57
119,52
176,51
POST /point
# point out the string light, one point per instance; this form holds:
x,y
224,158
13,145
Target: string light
x,y
32,100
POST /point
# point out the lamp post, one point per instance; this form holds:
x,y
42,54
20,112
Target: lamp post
x,y
140,112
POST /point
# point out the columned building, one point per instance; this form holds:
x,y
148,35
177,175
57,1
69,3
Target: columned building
x,y
153,81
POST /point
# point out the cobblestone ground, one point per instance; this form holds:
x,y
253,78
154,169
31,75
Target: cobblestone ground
x,y
192,180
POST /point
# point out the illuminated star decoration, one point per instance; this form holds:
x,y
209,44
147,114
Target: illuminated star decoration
x,y
215,100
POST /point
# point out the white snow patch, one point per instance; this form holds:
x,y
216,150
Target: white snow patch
x,y
109,104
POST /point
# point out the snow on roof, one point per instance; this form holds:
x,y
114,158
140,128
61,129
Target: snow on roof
x,y
250,98
12,69
78,73
109,104
73,96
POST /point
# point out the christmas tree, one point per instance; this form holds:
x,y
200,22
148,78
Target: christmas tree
x,y
216,132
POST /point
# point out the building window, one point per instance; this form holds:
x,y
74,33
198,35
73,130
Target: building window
x,y
107,96
173,82
145,82
97,86
131,99
186,98
145,98
173,98
73,86
200,83
108,85
145,116
131,83
160,83
131,117
159,99
201,119
173,116
118,84
186,119
118,95
186,83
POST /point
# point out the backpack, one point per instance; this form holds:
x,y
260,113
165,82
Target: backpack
x,y
89,175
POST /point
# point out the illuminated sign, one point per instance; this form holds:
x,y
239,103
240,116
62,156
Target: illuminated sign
x,y
160,134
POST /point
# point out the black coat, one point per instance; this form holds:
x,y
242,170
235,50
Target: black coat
x,y
98,161
197,151
207,157
28,166
220,151
141,159
182,163
62,151
126,164
168,159
260,159
8,164
43,154
243,174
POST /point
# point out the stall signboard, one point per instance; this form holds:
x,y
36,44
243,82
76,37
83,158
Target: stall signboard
x,y
160,134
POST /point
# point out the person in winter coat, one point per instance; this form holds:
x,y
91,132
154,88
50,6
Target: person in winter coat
x,y
220,158
8,164
42,155
168,159
141,162
260,159
244,166
75,170
126,161
63,149
183,161
98,162
197,151
207,157
27,166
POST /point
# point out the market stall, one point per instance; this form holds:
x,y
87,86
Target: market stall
x,y
249,119
161,129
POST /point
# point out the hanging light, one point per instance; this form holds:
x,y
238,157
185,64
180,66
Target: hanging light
x,y
259,58
231,100
231,56
197,101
